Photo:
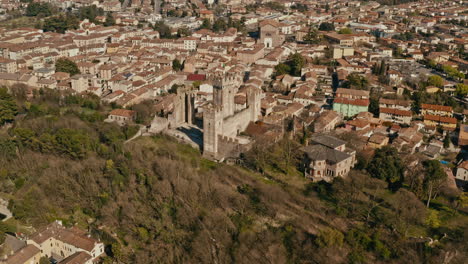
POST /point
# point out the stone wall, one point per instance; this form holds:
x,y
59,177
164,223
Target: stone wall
x,y
237,123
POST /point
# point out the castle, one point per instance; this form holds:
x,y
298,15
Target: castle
x,y
222,120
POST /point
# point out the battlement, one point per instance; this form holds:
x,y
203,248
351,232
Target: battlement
x,y
212,108
226,139
221,80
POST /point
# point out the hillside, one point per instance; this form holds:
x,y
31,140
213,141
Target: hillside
x,y
154,200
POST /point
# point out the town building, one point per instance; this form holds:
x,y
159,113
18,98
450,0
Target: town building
x,y
30,254
122,116
463,135
462,172
326,158
395,111
58,242
270,34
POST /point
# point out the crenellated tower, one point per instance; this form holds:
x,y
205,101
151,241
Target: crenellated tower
x,y
212,126
225,87
254,103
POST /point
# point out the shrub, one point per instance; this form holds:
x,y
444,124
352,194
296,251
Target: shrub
x,y
329,237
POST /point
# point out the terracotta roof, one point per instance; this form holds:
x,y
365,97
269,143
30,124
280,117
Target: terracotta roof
x,y
23,255
358,123
359,102
395,102
463,165
77,258
269,22
394,111
437,107
377,138
122,112
352,92
196,77
443,119
70,236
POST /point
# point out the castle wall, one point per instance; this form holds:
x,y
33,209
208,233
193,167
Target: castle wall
x,y
236,123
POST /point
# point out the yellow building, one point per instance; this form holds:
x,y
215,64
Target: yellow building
x,y
447,123
438,110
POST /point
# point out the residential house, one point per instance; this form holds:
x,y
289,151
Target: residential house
x,y
121,116
462,171
395,111
327,158
29,254
350,107
438,110
55,239
7,65
378,140
327,121
447,123
463,135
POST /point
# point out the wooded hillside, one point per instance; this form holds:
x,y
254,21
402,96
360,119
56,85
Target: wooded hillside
x,y
154,200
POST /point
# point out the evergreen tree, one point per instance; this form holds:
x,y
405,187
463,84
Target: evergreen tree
x,y
435,176
325,26
383,68
176,65
387,165
66,65
206,24
110,21
8,107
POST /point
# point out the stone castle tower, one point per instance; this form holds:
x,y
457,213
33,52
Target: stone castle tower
x,y
212,125
219,117
184,107
224,89
254,103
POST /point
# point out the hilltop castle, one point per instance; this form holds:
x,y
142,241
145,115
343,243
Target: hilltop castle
x,y
222,120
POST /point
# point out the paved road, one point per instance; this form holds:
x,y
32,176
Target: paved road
x,y
137,134
4,210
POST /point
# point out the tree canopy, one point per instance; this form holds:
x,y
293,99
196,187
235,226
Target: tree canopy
x,y
110,20
345,30
356,81
39,9
176,65
90,12
60,23
8,107
326,26
387,165
435,80
292,66
66,65
434,177
462,90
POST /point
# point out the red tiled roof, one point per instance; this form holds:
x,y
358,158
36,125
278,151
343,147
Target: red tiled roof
x,y
122,112
359,102
196,77
437,107
394,111
442,119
